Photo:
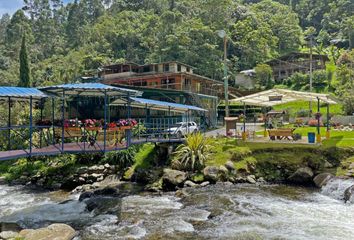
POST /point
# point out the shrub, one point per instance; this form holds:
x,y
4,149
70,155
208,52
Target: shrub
x,y
122,158
192,154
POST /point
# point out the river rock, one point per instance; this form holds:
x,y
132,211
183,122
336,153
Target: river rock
x,y
8,235
204,184
302,175
189,183
52,232
9,226
251,179
172,178
349,194
214,173
322,179
230,166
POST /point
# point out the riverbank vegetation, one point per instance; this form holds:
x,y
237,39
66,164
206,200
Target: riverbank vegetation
x,y
146,163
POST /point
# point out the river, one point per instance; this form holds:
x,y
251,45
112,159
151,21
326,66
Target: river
x,y
218,211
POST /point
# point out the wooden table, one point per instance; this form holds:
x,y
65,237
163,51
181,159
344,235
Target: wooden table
x,y
281,133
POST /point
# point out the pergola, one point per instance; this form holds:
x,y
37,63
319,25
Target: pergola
x,y
274,97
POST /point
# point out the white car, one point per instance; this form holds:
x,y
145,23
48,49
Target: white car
x,y
183,128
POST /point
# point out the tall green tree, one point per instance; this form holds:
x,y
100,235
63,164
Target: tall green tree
x,y
24,66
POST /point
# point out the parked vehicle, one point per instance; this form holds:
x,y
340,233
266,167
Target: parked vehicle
x,y
183,128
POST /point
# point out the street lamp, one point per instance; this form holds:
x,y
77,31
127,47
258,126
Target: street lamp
x,y
222,34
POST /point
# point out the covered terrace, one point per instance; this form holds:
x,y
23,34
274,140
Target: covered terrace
x,y
43,124
274,97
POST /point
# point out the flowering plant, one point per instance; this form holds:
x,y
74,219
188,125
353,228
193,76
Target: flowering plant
x,y
92,123
112,125
72,123
127,122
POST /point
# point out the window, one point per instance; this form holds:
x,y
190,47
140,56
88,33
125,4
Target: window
x,y
179,67
146,69
156,68
188,69
166,67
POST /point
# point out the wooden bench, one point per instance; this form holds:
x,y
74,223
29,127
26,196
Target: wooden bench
x,y
281,133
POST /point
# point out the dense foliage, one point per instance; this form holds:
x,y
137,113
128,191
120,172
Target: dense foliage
x,y
67,41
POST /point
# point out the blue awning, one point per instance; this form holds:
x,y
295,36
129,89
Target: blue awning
x,y
90,89
21,93
157,105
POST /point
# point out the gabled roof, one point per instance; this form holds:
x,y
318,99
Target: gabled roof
x,y
157,105
293,55
19,93
90,89
279,96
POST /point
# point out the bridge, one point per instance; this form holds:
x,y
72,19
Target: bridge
x,y
45,122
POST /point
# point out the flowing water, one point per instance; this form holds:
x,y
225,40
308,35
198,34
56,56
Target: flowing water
x,y
215,212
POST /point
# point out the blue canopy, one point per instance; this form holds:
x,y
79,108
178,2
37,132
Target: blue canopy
x,y
157,105
21,93
90,89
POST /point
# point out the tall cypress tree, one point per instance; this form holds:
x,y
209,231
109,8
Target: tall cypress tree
x,y
24,67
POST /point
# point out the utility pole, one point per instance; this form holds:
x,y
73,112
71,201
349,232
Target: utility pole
x,y
222,34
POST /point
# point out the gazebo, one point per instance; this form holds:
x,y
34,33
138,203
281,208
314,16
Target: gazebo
x,y
274,97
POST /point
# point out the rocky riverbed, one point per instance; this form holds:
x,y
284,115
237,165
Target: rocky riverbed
x,y
218,211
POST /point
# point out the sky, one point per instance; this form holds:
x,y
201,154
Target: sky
x,y
10,6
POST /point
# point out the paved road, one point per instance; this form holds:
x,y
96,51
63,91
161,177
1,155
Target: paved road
x,y
222,131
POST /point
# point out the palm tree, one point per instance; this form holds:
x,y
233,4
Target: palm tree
x,y
192,154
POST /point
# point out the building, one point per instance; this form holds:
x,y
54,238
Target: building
x,y
246,79
284,66
168,81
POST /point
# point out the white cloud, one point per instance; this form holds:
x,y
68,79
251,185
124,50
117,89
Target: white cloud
x,y
10,6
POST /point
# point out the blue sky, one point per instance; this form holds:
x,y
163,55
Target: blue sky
x,y
10,6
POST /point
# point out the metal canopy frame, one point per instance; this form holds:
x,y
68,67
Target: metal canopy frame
x,y
21,94
262,98
157,105
281,96
90,89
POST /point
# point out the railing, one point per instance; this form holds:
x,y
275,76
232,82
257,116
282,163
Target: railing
x,y
29,141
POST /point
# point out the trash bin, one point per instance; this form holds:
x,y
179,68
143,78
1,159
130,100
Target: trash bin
x,y
311,136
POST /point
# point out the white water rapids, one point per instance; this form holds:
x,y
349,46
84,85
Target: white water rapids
x,y
215,212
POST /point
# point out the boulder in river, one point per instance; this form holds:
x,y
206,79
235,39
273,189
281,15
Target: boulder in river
x,y
349,194
8,235
172,178
302,175
189,183
322,179
214,173
54,231
230,166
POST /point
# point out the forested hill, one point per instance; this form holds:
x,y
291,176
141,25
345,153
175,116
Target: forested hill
x,y
68,41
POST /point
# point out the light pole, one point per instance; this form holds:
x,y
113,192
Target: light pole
x,y
222,34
